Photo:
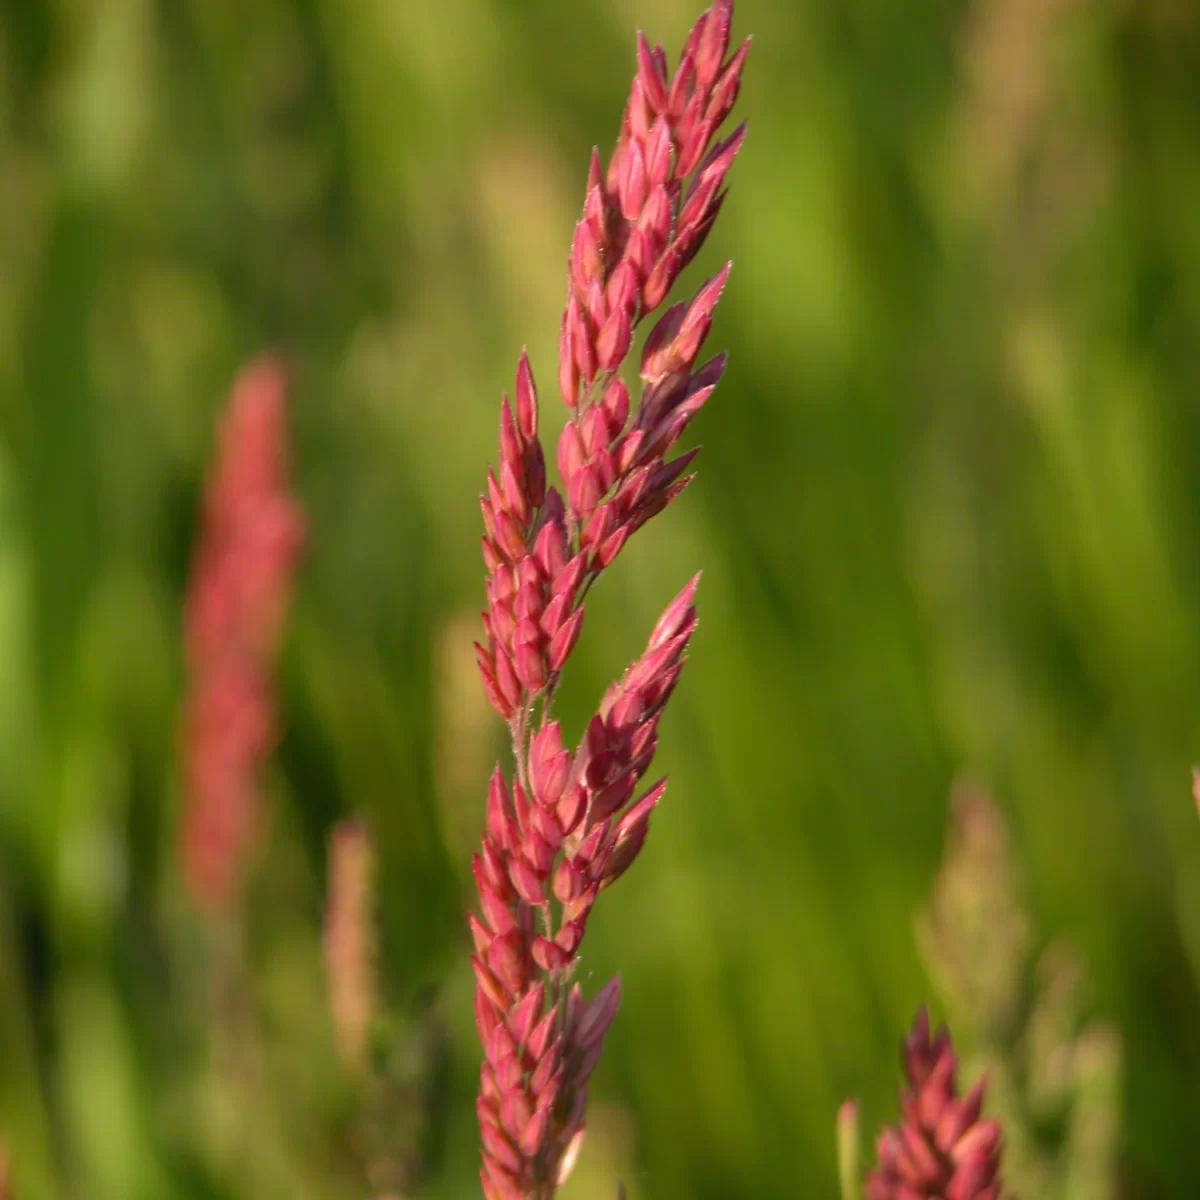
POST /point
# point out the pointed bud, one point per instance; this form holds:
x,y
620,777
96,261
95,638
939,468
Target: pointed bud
x,y
654,83
567,881
612,177
513,496
549,549
498,1145
527,410
501,827
571,453
487,672
497,915
699,315
568,937
585,351
656,353
584,492
711,174
724,92
507,682
600,1013
488,869
660,280
613,796
612,342
500,1045
631,836
713,42
527,1013
615,406
525,880
568,370
658,155
680,91
678,616
543,1034
511,450
595,172
548,955
593,431
693,146
481,935
690,239
599,525
546,1079
515,1112
509,535
549,764
564,640
489,985
543,824
530,665
631,187
580,908
622,291
586,262
534,1133
571,808
589,847
608,550
656,218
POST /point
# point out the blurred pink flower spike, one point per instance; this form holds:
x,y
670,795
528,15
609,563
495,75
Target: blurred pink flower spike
x,y
250,540
943,1149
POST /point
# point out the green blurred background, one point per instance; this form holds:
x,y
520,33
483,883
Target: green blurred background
x,y
948,516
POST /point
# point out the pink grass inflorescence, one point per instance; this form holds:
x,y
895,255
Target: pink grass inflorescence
x,y
572,822
943,1149
250,540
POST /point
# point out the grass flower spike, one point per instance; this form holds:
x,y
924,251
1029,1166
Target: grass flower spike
x,y
349,941
942,1149
573,820
251,537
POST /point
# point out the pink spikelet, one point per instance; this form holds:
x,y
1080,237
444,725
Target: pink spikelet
x,y
942,1149
572,821
251,537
